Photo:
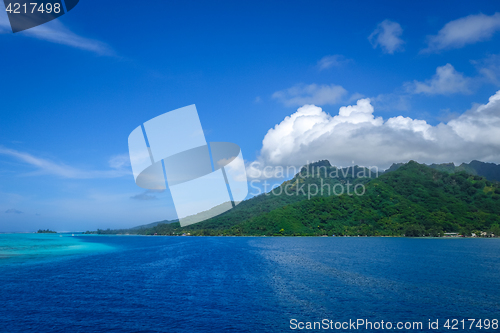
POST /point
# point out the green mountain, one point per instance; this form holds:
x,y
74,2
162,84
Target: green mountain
x,y
490,171
412,200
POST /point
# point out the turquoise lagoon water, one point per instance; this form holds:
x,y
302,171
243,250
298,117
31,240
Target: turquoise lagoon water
x,y
30,248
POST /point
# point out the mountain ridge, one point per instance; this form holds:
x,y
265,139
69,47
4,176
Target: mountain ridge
x,y
490,171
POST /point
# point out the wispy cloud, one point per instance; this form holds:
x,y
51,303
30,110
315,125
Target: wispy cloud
x,y
120,161
489,68
311,94
56,32
387,36
13,211
147,195
330,61
466,30
446,81
118,166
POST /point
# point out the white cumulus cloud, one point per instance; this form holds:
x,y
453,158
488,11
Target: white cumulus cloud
x,y
466,30
446,81
481,124
387,35
311,94
356,134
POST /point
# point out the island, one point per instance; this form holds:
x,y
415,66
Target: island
x,y
47,231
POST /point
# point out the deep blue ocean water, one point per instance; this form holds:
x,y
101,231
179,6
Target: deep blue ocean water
x,y
241,284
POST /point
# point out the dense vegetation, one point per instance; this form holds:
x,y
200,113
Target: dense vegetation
x,y
413,200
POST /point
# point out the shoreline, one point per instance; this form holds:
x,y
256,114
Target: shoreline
x,y
80,233
426,237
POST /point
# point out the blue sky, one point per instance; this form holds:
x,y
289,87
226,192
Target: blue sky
x,y
72,91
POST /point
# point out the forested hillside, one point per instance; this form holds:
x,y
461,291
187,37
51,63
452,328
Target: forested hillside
x,y
412,200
